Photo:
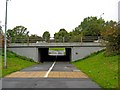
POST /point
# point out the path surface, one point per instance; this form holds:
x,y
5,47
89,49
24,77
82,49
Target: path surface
x,y
49,75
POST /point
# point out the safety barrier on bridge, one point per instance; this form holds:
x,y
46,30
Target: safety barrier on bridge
x,y
53,40
39,51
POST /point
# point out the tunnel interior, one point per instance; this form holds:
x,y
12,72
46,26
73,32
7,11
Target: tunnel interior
x,y
44,56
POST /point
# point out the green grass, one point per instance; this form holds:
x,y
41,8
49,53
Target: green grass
x,y
57,49
101,69
15,63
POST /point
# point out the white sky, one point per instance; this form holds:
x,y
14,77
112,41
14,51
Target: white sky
x,y
52,15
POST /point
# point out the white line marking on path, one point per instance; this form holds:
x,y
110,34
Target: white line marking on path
x,y
46,75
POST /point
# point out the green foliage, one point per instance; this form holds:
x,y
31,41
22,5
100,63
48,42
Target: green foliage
x,y
101,69
46,36
1,37
75,35
34,38
111,34
91,26
17,34
57,49
61,36
75,38
1,29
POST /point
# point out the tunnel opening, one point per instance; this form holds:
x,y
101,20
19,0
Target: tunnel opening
x,y
50,55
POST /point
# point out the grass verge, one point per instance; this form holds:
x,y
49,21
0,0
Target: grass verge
x,y
101,69
57,49
15,63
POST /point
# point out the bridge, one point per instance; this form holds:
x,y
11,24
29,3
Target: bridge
x,y
39,52
77,44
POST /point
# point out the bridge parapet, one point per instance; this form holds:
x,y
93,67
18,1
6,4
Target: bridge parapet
x,y
56,44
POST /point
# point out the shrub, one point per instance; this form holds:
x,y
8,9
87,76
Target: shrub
x,y
111,34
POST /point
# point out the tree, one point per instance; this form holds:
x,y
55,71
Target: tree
x,y
56,37
46,36
11,35
88,30
75,35
18,34
61,36
111,34
0,29
1,37
91,26
34,38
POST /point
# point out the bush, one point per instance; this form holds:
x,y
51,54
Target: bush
x,y
111,34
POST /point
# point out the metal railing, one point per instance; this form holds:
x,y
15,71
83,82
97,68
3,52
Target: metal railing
x,y
32,40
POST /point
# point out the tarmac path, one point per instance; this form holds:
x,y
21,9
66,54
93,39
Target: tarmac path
x,y
49,75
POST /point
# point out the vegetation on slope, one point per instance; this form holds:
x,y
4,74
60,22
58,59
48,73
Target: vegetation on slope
x,y
103,70
15,63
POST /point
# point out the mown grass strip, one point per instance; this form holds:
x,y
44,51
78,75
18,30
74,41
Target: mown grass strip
x,y
101,69
57,49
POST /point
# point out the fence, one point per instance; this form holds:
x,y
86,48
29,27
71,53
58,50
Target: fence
x,y
34,40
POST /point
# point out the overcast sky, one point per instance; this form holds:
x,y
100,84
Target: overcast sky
x,y
52,15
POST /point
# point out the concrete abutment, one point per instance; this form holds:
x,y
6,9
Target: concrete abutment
x,y
41,54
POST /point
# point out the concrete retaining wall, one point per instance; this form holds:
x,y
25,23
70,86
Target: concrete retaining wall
x,y
28,52
35,53
82,52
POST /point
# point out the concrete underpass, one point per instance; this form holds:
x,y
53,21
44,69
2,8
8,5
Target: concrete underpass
x,y
57,74
43,55
40,52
